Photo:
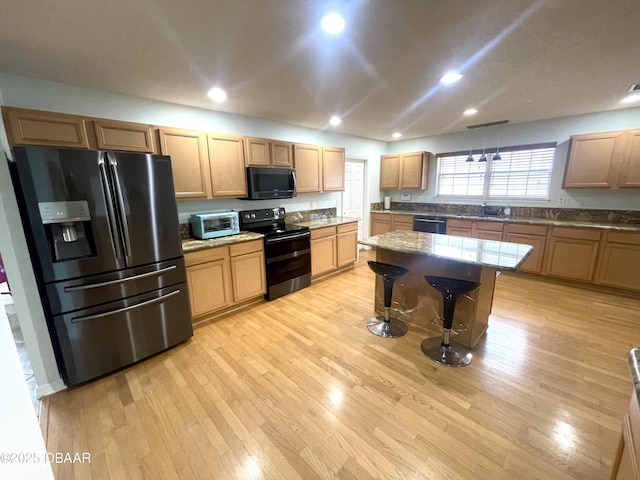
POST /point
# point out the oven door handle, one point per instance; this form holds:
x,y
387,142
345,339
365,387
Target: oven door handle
x,y
287,237
289,256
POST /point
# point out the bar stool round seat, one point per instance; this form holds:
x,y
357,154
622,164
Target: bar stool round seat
x,y
384,325
439,349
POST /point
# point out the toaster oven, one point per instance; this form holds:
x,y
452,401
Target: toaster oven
x,y
214,224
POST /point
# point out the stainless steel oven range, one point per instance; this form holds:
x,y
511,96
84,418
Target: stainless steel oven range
x,y
287,250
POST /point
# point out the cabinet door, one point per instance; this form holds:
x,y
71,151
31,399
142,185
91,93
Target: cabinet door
x,y
248,276
591,161
533,263
413,170
189,161
390,172
459,232
323,255
282,154
571,253
308,161
380,223
227,166
347,244
258,152
29,127
630,171
333,169
619,264
123,136
488,235
209,288
402,222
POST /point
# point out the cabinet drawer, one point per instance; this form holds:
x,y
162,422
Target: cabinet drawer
x,y
348,227
206,255
629,238
323,232
491,226
458,223
526,229
245,247
576,233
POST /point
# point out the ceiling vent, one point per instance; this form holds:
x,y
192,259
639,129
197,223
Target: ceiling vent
x,y
635,87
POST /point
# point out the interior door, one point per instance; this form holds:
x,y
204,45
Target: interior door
x,y
146,200
353,197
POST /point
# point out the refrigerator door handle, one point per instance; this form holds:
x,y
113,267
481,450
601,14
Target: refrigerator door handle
x,y
113,163
79,288
124,309
111,215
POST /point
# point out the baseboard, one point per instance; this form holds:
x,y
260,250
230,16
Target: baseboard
x,y
43,420
50,388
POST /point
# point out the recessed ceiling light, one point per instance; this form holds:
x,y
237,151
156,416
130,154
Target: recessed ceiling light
x,y
332,23
470,111
217,94
451,77
396,135
335,121
631,98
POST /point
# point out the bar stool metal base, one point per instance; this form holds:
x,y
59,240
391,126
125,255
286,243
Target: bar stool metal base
x,y
391,329
436,351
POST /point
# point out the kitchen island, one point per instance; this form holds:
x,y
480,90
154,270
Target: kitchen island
x,y
417,303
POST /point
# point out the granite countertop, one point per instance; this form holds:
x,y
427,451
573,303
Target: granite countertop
x,y
483,253
326,222
525,220
193,244
634,360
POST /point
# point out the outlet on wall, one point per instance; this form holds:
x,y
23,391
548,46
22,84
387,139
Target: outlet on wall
x,y
563,202
405,197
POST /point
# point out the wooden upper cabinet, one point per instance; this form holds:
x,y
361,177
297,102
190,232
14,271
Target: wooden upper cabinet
x,y
591,160
414,170
333,169
404,171
31,127
227,165
281,154
189,161
124,136
390,172
308,162
630,168
262,152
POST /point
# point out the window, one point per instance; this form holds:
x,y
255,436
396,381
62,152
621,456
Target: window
x,y
524,172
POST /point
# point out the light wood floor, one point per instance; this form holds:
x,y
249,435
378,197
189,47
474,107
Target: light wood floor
x,y
298,388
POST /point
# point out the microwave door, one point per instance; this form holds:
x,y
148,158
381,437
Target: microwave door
x,y
146,205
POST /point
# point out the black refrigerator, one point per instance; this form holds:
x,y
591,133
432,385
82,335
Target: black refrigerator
x,y
104,240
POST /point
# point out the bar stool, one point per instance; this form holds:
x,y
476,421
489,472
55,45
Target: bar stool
x,y
385,326
440,350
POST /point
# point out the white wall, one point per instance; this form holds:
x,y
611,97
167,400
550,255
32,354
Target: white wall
x,y
553,130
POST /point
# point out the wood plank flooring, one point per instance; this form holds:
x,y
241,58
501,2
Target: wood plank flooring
x,y
298,388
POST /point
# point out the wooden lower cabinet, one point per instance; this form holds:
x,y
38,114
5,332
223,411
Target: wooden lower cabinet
x,y
380,223
533,235
323,251
487,230
221,277
208,278
459,227
401,222
619,264
572,253
247,270
347,244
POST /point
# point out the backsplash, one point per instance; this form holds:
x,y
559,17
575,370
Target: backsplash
x,y
573,214
291,217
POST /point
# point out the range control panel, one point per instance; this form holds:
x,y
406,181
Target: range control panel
x,y
263,215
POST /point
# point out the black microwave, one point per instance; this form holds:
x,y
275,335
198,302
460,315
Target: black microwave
x,y
264,183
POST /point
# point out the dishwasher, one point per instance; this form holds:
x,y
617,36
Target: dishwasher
x,y
429,224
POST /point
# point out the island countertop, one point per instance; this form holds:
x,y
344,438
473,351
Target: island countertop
x,y
484,253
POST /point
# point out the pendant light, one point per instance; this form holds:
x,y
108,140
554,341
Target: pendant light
x,y
470,157
497,156
483,157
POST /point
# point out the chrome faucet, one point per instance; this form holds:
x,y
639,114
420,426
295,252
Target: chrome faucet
x,y
483,209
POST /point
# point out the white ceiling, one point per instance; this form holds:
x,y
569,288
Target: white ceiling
x,y
522,60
